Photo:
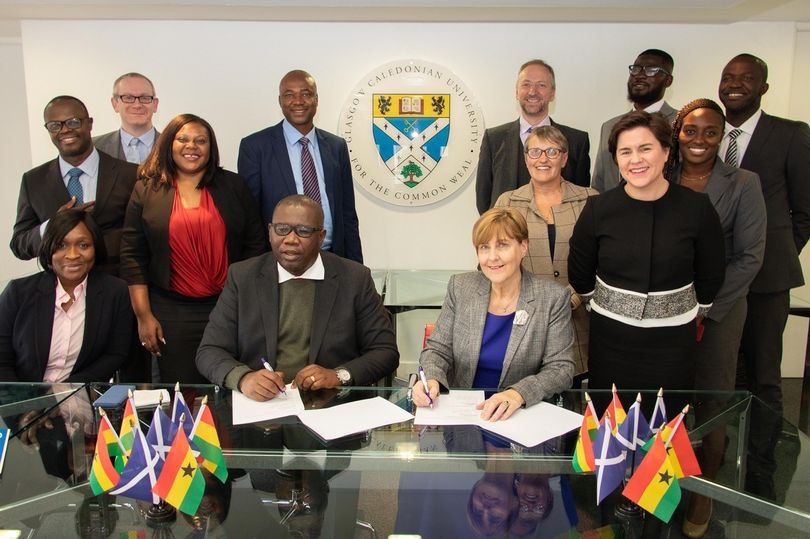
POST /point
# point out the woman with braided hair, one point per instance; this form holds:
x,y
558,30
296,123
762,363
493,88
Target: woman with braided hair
x,y
737,197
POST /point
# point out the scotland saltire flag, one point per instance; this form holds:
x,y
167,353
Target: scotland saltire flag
x,y
161,433
141,472
609,460
179,407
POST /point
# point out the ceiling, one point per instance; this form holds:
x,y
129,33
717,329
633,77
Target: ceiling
x,y
659,11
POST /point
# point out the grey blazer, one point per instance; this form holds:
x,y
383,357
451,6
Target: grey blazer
x,y
737,197
110,143
539,358
605,172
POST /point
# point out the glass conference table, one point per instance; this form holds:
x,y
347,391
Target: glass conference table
x,y
284,481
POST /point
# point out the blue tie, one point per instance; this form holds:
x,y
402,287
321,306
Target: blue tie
x,y
74,186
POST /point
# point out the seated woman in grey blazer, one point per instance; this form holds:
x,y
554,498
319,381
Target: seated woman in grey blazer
x,y
68,323
501,327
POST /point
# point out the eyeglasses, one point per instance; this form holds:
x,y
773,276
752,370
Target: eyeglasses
x,y
649,71
551,153
143,99
71,123
302,231
537,509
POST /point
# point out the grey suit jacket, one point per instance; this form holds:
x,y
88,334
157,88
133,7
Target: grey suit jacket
x,y
737,198
350,327
779,152
605,172
110,143
43,192
502,167
539,358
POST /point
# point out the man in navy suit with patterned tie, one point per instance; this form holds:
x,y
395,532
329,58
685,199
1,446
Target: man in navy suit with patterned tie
x,y
293,157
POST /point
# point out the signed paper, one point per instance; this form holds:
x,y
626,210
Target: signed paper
x,y
246,410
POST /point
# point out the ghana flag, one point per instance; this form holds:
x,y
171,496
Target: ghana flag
x,y
103,475
680,449
583,460
654,486
181,483
204,436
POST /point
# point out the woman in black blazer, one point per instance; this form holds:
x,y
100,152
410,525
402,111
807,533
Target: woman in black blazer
x,y
30,307
187,221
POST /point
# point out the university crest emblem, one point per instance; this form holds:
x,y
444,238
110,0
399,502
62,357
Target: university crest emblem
x,y
397,123
411,133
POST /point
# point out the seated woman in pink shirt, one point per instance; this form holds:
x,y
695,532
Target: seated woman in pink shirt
x,y
66,323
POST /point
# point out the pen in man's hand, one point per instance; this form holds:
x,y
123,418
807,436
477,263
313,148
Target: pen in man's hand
x,y
270,368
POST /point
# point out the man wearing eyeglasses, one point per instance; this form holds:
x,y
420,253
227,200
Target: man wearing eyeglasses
x,y
501,166
297,315
80,176
650,76
135,101
294,156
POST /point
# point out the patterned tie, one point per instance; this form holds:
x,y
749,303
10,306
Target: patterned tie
x,y
309,175
135,151
731,151
74,186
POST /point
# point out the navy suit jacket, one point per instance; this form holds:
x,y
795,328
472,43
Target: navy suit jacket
x,y
43,191
26,327
779,152
265,165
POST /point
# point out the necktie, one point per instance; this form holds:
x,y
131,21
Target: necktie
x,y
731,151
135,151
309,176
74,187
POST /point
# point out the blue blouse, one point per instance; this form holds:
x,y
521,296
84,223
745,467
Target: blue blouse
x,y
497,330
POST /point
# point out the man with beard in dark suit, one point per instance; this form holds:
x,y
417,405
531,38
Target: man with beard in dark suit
x,y
501,166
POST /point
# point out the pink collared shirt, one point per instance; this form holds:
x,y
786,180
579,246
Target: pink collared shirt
x,y
68,333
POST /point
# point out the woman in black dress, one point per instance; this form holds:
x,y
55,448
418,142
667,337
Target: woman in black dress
x,y
649,257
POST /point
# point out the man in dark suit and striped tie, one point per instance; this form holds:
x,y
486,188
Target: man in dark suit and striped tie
x,y
779,151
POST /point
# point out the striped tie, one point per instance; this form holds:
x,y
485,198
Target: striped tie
x,y
731,151
309,175
74,187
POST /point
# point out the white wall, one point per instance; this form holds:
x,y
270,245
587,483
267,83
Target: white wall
x,y
228,72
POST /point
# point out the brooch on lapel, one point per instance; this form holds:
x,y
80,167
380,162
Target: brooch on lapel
x,y
521,317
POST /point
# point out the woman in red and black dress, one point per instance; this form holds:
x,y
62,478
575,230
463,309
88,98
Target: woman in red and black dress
x,y
188,219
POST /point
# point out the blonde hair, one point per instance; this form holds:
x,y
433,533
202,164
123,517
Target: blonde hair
x,y
500,222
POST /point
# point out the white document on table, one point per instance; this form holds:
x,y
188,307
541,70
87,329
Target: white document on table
x,y
528,426
246,410
353,417
455,408
534,425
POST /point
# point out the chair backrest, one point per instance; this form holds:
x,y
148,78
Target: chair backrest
x,y
428,331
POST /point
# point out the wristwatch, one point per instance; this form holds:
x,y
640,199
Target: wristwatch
x,y
344,376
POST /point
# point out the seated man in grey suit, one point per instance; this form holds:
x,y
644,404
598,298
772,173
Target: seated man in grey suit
x,y
312,316
650,76
501,166
80,177
135,101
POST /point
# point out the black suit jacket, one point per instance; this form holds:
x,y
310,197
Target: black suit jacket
x,y
26,327
43,192
350,326
779,152
502,167
145,252
265,165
